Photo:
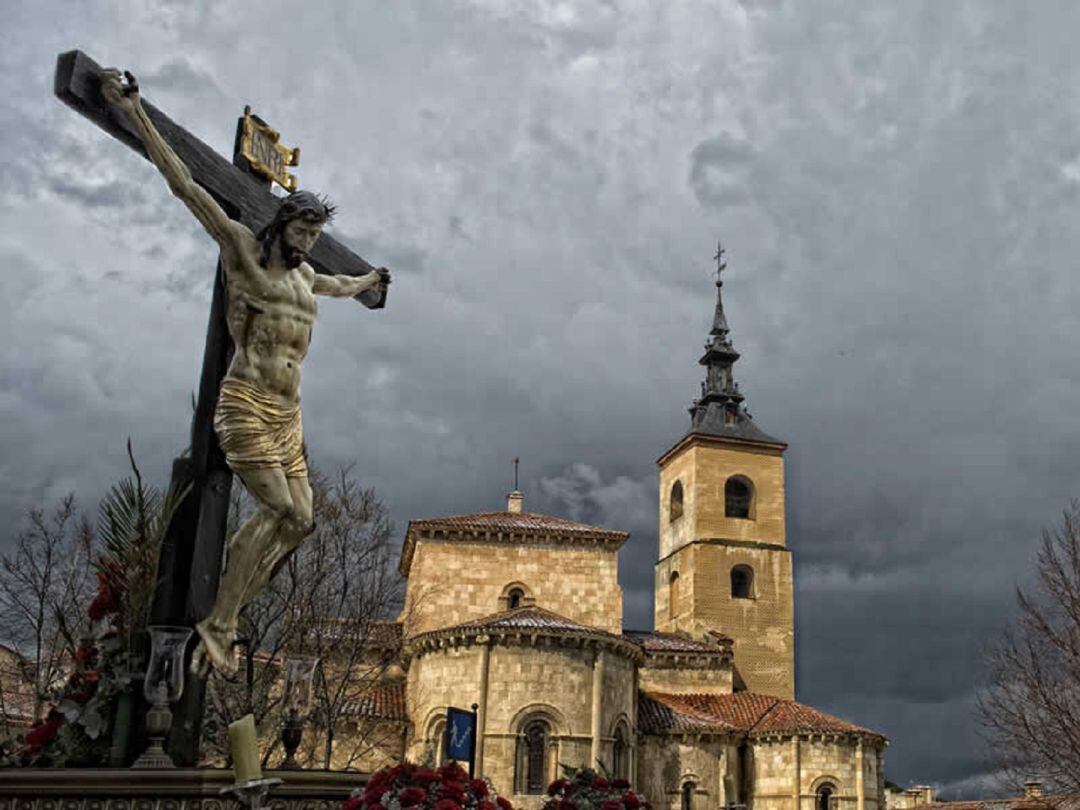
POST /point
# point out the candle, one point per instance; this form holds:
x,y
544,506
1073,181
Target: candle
x,y
244,743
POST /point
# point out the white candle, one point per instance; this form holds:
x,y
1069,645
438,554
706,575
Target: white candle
x,y
244,743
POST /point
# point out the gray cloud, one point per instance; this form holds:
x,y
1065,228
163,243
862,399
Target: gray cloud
x,y
896,187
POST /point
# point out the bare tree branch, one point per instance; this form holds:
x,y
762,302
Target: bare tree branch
x,y
1030,710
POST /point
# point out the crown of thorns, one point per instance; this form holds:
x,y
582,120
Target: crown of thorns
x,y
304,204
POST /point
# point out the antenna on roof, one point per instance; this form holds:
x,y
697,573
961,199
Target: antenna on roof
x,y
516,460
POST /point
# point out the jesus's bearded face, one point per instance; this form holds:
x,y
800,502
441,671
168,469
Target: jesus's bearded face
x,y
298,238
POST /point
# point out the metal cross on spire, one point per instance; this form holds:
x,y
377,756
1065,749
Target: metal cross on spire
x,y
721,265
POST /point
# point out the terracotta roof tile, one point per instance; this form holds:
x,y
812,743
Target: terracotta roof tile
x,y
519,521
490,525
1065,801
743,711
524,618
383,702
659,713
654,641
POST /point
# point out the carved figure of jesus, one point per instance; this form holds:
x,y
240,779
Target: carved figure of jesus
x,y
270,294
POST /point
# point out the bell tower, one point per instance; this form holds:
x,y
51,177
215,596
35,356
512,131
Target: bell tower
x,y
724,567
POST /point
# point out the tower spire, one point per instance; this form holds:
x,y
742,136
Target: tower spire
x,y
721,410
719,324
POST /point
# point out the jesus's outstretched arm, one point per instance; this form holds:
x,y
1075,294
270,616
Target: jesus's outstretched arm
x,y
347,286
202,205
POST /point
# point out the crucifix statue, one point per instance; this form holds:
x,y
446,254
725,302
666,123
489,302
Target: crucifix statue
x,y
270,311
272,263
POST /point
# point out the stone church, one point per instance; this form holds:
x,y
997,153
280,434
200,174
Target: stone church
x,y
521,614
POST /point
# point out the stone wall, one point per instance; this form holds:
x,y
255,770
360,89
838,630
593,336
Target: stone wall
x,y
763,627
553,680
704,468
667,763
704,545
686,680
452,582
787,765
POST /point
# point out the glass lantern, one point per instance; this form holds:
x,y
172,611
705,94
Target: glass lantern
x,y
296,701
162,685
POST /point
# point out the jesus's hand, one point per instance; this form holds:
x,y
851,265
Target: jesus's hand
x,y
118,94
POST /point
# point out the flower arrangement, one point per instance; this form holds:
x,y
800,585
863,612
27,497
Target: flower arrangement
x,y
411,786
73,731
585,789
76,731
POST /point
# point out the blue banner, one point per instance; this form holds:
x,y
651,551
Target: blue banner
x,y
460,735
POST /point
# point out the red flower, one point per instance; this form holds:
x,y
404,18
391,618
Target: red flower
x,y
412,795
599,783
424,776
451,771
479,788
354,803
504,804
557,786
566,804
631,801
455,791
620,784
446,804
486,805
43,732
611,804
80,697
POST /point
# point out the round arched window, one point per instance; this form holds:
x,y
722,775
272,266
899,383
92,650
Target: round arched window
x,y
738,497
675,502
673,595
532,757
514,597
825,797
688,795
620,759
742,582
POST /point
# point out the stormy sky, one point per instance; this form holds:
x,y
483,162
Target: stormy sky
x,y
896,185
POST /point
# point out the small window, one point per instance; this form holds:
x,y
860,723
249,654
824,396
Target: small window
x,y
688,796
742,582
673,595
515,595
738,495
438,742
825,797
675,502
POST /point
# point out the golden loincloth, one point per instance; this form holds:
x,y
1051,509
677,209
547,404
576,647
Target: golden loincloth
x,y
257,430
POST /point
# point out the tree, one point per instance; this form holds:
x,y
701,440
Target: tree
x,y
74,603
1030,710
45,586
332,599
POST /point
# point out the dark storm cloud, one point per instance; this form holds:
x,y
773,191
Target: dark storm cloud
x,y
897,189
180,75
719,171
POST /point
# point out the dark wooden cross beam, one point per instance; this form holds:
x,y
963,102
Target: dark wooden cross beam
x,y
190,563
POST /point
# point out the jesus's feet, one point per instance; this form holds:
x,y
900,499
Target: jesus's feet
x,y
215,649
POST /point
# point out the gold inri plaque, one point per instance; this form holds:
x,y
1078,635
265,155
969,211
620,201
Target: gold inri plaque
x,y
267,157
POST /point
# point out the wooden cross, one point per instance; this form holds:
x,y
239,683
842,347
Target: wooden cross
x,y
190,563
